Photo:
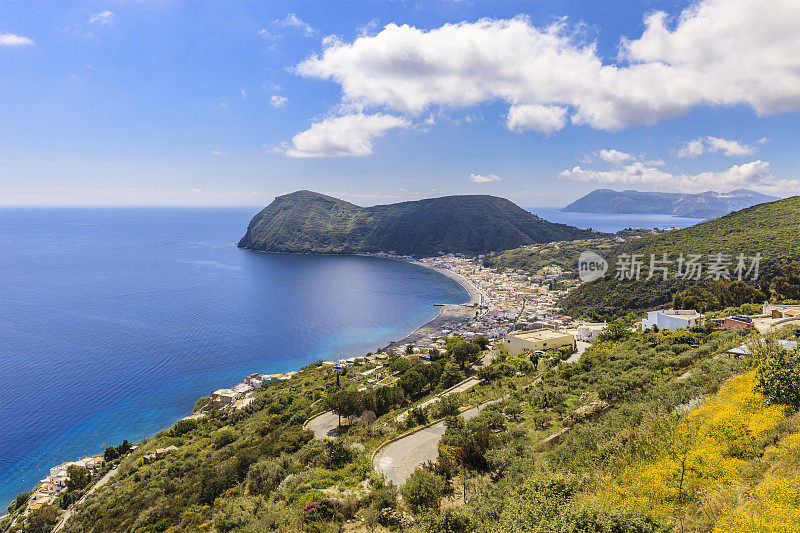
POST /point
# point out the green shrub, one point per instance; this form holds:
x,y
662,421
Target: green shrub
x,y
423,490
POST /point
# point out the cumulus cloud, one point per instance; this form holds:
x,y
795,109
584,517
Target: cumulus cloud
x,y
219,152
12,39
488,178
293,21
104,18
278,101
541,118
756,175
615,157
347,135
716,52
692,149
709,144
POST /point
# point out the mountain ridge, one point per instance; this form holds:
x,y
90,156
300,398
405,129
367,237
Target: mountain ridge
x,y
310,222
708,204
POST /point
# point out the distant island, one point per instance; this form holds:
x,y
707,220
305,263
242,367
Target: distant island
x,y
708,204
309,222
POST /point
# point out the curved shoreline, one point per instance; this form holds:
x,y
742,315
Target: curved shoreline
x,y
449,314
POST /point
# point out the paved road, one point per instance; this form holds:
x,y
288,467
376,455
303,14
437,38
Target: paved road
x,y
398,460
324,425
103,480
579,352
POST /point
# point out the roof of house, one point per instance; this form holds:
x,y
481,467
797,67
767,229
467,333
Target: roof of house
x,y
539,335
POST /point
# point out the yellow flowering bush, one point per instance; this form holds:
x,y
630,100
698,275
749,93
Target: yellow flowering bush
x,y
690,457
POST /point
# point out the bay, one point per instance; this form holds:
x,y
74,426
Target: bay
x,y
114,321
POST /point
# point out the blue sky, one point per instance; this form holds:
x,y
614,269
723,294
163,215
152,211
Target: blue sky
x,y
233,103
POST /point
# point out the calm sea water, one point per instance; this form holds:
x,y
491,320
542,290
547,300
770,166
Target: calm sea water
x,y
114,321
612,223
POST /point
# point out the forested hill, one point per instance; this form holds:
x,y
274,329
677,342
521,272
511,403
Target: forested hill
x,y
309,222
701,205
771,229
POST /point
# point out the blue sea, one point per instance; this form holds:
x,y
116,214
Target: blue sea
x,y
114,321
612,223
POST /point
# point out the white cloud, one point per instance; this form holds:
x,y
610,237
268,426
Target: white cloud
x,y
244,93
716,53
728,147
12,39
347,135
692,149
614,157
293,21
544,119
218,152
753,175
709,144
278,101
488,178
104,18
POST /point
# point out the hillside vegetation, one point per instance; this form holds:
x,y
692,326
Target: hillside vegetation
x,y
771,229
308,222
646,433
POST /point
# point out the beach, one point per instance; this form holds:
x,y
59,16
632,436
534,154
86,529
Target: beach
x,y
449,314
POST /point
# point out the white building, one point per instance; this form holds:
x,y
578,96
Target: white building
x,y
590,332
672,319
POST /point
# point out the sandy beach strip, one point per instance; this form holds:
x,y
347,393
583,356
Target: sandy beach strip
x,y
449,314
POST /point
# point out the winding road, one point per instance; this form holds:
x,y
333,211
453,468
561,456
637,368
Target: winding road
x,y
398,460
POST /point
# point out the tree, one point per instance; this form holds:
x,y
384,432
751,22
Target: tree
x,y
787,286
336,454
451,375
615,331
778,377
110,454
385,398
409,349
417,416
124,448
423,490
446,406
78,477
412,383
481,341
462,351
345,403
41,520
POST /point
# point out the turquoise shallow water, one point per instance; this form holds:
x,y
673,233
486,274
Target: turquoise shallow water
x,y
114,321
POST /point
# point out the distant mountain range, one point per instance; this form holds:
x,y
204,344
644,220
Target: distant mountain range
x,y
702,205
309,222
